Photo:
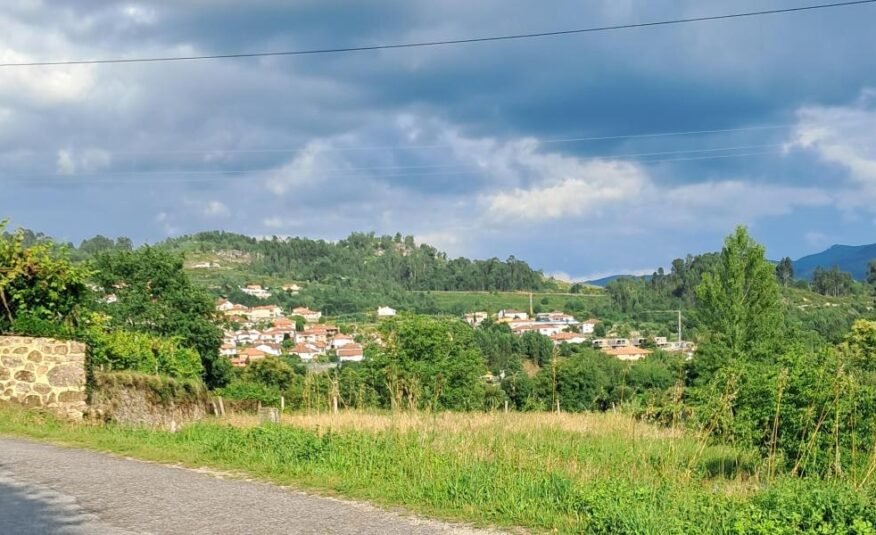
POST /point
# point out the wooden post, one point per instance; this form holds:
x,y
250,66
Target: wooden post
x,y
558,406
506,406
221,406
282,403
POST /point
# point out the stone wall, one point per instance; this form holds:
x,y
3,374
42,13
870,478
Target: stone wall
x,y
146,400
43,372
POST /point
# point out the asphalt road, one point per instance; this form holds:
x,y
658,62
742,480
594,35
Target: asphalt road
x,y
47,489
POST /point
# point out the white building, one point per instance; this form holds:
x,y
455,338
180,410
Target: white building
x,y
310,316
587,326
475,318
509,314
385,312
351,353
256,290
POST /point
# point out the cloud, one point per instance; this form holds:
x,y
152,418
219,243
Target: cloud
x,y
584,187
843,136
70,161
216,208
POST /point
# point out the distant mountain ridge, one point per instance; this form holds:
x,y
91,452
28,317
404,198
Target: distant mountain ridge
x,y
611,278
851,258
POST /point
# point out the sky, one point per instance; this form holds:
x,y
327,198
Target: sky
x,y
544,149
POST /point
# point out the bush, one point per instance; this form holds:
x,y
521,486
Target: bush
x,y
141,352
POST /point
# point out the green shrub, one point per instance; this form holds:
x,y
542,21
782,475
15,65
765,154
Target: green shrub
x,y
141,352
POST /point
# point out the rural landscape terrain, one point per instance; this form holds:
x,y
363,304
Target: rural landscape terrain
x,y
590,415
387,267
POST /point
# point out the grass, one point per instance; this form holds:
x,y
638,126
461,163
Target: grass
x,y
592,473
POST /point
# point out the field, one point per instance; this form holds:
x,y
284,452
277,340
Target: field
x,y
492,302
593,473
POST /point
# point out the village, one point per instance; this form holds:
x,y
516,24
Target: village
x,y
257,332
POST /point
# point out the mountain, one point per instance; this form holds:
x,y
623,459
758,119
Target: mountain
x,y
851,258
611,278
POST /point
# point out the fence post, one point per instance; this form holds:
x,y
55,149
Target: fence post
x,y
282,403
221,406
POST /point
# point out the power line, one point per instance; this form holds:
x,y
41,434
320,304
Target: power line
x,y
209,176
403,167
446,42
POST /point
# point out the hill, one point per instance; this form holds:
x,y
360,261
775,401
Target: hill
x,y
851,258
611,278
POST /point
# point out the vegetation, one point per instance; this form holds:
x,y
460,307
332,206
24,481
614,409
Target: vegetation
x,y
593,473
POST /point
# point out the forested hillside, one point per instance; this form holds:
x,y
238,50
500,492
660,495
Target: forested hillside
x,y
367,257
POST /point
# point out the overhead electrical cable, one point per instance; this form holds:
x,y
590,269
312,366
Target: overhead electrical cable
x,y
446,42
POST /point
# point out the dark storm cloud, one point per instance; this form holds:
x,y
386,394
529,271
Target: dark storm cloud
x,y
296,124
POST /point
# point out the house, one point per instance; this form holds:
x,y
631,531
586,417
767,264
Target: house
x,y
351,353
269,349
264,313
314,334
236,310
311,316
475,318
385,312
587,326
568,338
556,317
509,314
306,353
550,329
228,350
340,340
223,305
330,330
291,288
276,336
627,353
247,356
256,290
283,323
607,343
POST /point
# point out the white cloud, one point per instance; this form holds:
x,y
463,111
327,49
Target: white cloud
x,y
42,85
845,136
585,186
70,161
65,164
216,208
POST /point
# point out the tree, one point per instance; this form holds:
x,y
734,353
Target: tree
x,y
871,273
37,283
428,363
739,303
155,295
785,272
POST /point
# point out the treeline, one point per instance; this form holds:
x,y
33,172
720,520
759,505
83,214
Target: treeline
x,y
368,257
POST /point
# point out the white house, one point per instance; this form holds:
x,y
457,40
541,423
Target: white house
x,y
264,312
627,353
311,316
587,326
269,349
306,353
256,290
341,340
509,314
556,317
351,353
475,318
385,312
228,350
568,338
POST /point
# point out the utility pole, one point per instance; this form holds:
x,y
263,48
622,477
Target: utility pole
x,y
530,304
679,329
